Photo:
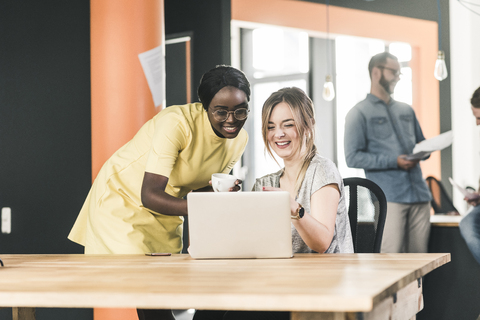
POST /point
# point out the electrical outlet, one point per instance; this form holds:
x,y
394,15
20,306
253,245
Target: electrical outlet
x,y
6,220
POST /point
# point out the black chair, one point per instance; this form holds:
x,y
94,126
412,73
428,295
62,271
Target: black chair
x,y
441,202
367,210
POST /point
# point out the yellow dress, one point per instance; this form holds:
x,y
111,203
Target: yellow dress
x,y
178,143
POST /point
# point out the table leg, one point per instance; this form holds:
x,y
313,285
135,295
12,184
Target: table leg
x,y
404,305
23,313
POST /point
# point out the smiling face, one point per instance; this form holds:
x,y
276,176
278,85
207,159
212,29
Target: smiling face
x,y
282,135
228,99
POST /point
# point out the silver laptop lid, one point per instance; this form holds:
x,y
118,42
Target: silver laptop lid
x,y
239,225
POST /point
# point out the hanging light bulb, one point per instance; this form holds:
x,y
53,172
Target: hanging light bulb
x,y
440,71
328,90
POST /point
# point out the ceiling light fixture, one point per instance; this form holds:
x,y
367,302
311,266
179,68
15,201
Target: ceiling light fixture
x,y
440,72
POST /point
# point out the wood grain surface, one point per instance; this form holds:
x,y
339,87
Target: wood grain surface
x,y
305,283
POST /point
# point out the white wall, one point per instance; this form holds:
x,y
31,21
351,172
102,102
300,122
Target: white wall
x,y
465,78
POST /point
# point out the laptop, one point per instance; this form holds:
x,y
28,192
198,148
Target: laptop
x,y
239,225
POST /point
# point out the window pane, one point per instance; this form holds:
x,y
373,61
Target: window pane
x,y
403,90
278,51
401,50
353,84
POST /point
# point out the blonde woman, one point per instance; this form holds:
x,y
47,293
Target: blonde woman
x,y
319,215
317,194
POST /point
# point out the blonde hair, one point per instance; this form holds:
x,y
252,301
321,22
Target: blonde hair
x,y
303,114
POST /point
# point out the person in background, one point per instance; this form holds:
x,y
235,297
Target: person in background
x,y
379,133
470,224
319,216
135,204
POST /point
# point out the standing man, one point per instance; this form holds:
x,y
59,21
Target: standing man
x,y
379,133
470,224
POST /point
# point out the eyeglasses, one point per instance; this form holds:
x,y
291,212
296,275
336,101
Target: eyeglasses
x,y
239,114
395,72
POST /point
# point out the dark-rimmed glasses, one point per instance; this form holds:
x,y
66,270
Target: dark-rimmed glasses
x,y
395,72
239,114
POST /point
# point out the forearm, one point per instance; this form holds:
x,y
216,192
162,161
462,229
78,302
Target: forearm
x,y
315,234
371,161
162,202
155,198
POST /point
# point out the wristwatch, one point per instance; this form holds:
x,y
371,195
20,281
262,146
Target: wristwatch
x,y
300,213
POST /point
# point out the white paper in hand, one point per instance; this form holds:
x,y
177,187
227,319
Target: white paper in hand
x,y
439,142
424,148
469,195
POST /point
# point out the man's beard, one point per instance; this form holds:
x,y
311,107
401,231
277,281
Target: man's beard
x,y
385,84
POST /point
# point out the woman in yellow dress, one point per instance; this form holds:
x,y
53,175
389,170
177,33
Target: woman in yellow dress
x,y
136,204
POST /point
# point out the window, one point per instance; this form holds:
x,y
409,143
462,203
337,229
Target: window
x,y
272,58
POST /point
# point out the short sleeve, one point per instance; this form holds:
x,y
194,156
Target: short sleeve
x,y
323,172
170,137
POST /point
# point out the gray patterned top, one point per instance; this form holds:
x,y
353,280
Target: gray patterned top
x,y
320,173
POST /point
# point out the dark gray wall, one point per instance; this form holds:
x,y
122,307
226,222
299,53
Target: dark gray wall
x,y
45,166
209,23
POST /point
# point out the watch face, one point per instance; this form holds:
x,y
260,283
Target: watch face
x,y
301,212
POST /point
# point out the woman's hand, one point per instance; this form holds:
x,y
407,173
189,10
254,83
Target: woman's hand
x,y
236,187
473,202
293,203
209,188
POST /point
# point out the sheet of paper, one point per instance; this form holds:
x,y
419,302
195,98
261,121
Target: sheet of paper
x,y
153,64
466,193
417,156
439,142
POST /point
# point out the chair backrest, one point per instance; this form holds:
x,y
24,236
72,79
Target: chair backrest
x,y
441,202
367,210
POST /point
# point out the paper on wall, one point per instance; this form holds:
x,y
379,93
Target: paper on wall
x,y
153,64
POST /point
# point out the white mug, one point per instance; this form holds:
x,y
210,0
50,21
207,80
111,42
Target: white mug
x,y
221,182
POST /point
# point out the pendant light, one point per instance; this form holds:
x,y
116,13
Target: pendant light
x,y
440,71
328,89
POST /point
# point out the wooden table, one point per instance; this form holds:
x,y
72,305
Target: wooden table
x,y
312,286
443,220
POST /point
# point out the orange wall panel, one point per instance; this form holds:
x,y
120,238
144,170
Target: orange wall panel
x,y
121,98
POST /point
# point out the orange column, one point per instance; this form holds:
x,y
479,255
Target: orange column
x,y
121,99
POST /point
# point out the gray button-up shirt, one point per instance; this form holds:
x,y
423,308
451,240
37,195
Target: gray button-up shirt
x,y
375,135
